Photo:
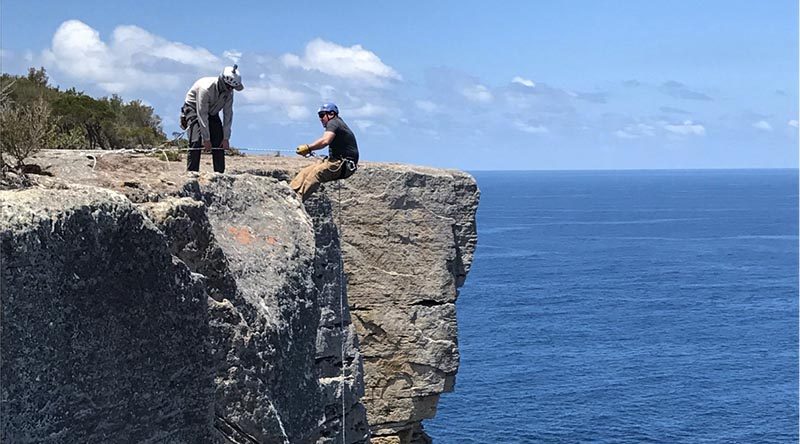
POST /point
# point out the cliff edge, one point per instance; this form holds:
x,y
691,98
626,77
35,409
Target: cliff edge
x,y
143,303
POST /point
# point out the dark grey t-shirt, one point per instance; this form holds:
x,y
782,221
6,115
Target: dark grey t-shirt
x,y
344,143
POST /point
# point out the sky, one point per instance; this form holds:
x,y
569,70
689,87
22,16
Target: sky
x,y
473,85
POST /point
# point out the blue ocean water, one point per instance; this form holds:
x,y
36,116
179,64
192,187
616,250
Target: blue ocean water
x,y
629,307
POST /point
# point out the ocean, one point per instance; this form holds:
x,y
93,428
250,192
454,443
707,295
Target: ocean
x,y
629,307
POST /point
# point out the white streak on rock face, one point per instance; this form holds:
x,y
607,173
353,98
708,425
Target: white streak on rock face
x,y
280,422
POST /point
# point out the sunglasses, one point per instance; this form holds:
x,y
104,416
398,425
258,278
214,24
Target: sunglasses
x,y
321,115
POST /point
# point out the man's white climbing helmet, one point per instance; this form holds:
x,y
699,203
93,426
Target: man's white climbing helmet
x,y
230,75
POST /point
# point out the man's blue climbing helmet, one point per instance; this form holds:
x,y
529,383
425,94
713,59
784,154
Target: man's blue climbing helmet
x,y
328,107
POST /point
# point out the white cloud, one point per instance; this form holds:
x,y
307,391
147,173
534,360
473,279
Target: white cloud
x,y
78,50
645,129
326,92
427,106
681,91
792,123
538,129
354,63
297,112
368,110
635,131
128,42
523,82
371,127
624,135
292,60
269,98
131,60
232,55
364,124
477,93
686,128
762,125
272,94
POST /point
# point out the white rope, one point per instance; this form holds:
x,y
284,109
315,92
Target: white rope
x,y
341,301
163,148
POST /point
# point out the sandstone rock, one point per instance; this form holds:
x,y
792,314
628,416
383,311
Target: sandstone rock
x,y
103,331
264,314
339,363
191,238
277,331
409,237
276,324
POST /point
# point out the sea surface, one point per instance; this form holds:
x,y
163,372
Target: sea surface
x,y
629,307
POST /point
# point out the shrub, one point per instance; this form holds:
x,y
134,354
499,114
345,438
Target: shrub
x,y
24,130
167,154
83,121
70,139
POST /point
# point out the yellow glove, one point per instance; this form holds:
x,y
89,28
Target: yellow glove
x,y
303,150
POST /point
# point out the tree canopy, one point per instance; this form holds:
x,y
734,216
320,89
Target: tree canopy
x,y
82,121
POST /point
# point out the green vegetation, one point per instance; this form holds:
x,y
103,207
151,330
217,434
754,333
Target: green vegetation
x,y
166,154
35,115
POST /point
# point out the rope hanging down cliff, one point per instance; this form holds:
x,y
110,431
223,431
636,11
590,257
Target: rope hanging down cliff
x,y
341,302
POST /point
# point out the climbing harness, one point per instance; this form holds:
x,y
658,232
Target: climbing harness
x,y
349,167
346,169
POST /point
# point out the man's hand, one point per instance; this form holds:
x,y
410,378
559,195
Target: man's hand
x,y
225,144
303,150
206,146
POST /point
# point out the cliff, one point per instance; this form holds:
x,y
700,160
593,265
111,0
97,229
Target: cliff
x,y
142,303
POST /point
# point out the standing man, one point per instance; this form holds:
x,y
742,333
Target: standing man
x,y
205,99
342,160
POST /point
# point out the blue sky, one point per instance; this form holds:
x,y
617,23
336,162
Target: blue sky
x,y
470,85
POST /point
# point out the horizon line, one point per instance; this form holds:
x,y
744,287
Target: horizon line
x,y
641,169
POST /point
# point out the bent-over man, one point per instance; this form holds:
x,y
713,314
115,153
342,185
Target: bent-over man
x,y
205,99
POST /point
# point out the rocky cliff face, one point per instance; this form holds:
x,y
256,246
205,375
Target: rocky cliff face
x,y
143,303
103,330
409,235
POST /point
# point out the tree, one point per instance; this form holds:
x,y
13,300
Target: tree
x,y
26,90
38,76
134,124
82,121
26,124
24,130
76,109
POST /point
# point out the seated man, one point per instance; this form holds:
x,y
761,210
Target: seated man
x,y
343,153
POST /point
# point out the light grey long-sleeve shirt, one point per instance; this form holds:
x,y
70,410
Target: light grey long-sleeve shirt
x,y
210,97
